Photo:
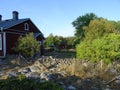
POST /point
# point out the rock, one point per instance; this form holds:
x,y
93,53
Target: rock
x,y
37,63
51,57
32,75
118,82
88,80
28,69
34,68
64,87
25,70
71,87
3,74
112,71
42,81
52,69
94,88
43,76
50,77
108,87
78,82
61,83
13,74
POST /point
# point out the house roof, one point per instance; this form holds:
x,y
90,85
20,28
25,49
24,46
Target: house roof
x,y
10,23
6,24
36,34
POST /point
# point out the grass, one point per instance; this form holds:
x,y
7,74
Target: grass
x,y
62,54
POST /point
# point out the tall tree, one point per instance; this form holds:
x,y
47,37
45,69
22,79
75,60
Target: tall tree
x,y
58,40
49,40
70,42
80,22
98,28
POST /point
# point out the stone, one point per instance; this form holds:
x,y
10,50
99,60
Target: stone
x,y
94,88
32,75
118,81
43,76
112,71
71,87
50,77
42,81
13,74
64,87
52,69
28,69
34,68
61,83
37,63
25,70
3,74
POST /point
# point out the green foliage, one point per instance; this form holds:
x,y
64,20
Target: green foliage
x,y
49,40
117,26
27,46
98,28
22,83
106,48
80,22
101,42
57,40
70,42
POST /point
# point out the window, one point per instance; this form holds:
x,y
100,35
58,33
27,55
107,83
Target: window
x,y
39,42
0,42
26,26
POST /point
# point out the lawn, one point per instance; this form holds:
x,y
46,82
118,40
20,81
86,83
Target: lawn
x,y
62,54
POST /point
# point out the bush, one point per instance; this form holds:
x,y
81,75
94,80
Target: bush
x,y
106,48
22,83
27,46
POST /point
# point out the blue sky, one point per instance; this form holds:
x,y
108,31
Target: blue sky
x,y
56,16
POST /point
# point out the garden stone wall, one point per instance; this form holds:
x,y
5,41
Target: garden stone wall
x,y
70,73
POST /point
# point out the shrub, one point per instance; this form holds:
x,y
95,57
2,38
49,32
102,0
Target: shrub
x,y
22,83
27,46
106,48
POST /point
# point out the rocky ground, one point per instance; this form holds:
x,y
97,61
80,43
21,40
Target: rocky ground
x,y
69,73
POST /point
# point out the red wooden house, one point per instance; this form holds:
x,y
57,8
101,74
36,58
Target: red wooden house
x,y
11,29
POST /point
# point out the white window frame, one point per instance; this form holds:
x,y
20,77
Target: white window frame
x,y
1,41
26,26
39,42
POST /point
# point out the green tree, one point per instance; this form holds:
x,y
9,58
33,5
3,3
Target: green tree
x,y
49,40
27,46
107,49
80,22
98,28
57,40
117,26
102,41
70,42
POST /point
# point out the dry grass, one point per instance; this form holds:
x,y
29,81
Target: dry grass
x,y
4,77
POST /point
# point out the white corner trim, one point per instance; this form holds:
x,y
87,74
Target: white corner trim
x,y
1,41
4,43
